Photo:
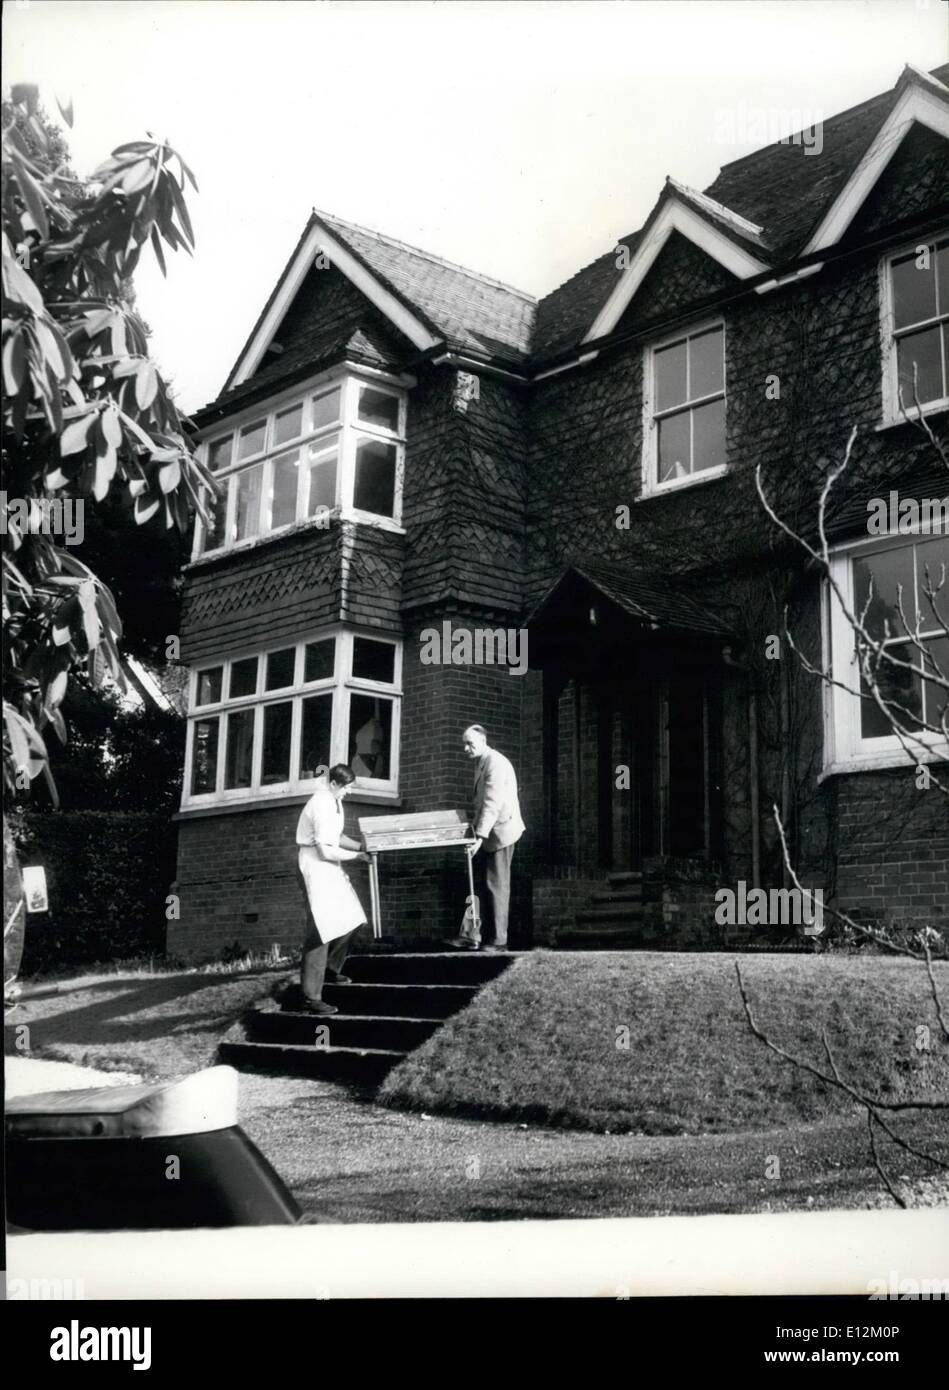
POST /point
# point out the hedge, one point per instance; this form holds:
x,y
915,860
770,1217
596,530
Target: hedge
x,y
108,873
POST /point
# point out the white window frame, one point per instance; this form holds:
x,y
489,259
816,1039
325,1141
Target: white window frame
x,y
845,748
342,685
348,432
651,486
892,411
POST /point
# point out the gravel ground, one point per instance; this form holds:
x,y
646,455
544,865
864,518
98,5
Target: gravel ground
x,y
347,1159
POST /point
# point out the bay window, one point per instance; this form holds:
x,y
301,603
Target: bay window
x,y
899,590
265,723
337,447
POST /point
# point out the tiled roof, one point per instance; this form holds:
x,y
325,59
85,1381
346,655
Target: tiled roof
x,y
650,599
471,310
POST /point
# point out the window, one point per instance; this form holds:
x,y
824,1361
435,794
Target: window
x,y
915,298
684,409
265,723
900,589
337,446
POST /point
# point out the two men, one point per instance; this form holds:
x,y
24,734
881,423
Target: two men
x,y
334,913
497,827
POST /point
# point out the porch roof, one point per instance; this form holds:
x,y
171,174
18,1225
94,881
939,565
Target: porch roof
x,y
652,600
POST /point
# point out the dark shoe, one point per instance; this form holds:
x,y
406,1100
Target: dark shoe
x,y
317,1007
333,977
460,943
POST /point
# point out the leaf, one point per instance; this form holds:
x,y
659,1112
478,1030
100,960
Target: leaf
x,y
111,428
146,385
159,253
169,476
57,690
33,195
145,510
75,436
64,103
14,362
25,94
139,176
18,286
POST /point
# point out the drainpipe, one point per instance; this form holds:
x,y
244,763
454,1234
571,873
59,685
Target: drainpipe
x,y
729,660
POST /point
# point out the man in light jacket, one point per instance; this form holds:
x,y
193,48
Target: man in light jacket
x,y
497,827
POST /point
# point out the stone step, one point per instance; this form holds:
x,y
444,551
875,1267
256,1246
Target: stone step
x,y
624,880
423,968
341,1030
400,1001
360,1065
605,913
631,894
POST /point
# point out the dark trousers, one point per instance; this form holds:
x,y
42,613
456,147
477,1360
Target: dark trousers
x,y
496,899
317,955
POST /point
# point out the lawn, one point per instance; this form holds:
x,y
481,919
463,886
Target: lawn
x,y
657,1043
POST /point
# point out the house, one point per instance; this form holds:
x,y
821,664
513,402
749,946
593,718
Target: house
x,y
408,449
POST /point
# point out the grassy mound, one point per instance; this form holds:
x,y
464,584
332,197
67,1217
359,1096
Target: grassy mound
x,y
546,1042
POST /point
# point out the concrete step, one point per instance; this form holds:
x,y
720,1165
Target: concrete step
x,y
424,968
339,1030
362,1066
400,1001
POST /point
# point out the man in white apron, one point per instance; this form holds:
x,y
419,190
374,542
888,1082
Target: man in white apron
x,y
334,912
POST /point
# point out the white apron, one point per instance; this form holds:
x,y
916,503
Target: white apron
x,y
333,901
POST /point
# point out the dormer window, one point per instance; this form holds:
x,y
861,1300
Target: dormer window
x,y
334,449
684,409
915,311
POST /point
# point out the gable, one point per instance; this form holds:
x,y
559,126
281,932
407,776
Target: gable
x,y
681,276
914,182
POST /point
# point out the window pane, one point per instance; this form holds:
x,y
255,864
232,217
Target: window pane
x,y
370,736
914,292
936,665
373,661
279,671
922,351
674,447
378,408
891,573
243,677
286,471
288,424
251,439
219,453
240,749
706,364
325,409
315,737
900,690
276,758
932,577
321,485
319,658
374,484
708,436
942,277
247,519
670,376
217,534
204,756
209,685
